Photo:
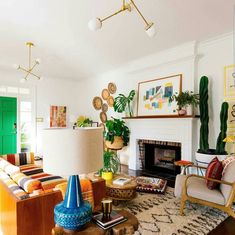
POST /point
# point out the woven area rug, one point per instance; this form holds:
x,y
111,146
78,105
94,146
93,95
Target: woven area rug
x,y
159,214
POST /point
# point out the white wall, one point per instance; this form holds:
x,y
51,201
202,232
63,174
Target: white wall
x,y
46,92
193,60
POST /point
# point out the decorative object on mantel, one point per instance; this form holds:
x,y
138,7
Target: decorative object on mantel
x,y
97,103
123,103
58,116
229,81
29,70
105,94
96,23
186,102
154,95
116,134
204,154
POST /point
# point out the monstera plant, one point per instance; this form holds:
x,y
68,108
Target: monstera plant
x,y
122,103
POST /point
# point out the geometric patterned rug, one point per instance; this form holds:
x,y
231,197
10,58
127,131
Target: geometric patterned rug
x,y
158,214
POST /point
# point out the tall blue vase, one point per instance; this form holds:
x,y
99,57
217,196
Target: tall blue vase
x,y
73,213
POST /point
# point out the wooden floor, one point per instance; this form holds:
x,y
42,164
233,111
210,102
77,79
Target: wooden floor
x,y
227,227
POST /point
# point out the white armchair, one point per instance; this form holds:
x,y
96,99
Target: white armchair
x,y
193,188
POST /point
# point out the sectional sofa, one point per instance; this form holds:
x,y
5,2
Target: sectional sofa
x,y
28,196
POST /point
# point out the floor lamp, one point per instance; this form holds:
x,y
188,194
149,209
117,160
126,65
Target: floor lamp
x,y
69,152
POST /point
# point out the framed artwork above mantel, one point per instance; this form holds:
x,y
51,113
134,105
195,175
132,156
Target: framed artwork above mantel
x,y
153,96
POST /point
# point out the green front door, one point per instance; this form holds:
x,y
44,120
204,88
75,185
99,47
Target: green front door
x,y
8,125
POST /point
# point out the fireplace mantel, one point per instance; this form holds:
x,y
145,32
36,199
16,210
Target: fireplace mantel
x,y
181,130
160,116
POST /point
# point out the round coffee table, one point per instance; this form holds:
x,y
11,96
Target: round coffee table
x,y
121,192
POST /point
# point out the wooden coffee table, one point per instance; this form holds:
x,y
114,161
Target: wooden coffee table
x,y
128,227
120,193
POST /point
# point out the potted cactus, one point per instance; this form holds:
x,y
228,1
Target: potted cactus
x,y
204,154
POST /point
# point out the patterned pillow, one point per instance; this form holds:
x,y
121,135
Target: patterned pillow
x,y
19,158
226,162
214,171
25,182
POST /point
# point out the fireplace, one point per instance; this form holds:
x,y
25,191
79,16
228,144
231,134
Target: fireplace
x,y
157,158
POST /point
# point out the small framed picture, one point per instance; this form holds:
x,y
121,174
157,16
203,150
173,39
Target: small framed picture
x,y
58,116
229,81
153,96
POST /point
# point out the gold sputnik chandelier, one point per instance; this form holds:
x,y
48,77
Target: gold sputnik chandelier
x,y
96,23
32,65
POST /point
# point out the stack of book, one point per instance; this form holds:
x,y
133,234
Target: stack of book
x,y
106,223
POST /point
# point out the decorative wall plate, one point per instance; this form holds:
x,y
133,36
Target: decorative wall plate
x,y
112,88
103,117
97,103
102,125
110,101
105,94
105,107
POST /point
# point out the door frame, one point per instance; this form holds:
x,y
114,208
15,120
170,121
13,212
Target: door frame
x,y
23,97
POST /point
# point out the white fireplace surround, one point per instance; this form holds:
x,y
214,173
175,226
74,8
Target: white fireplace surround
x,y
179,130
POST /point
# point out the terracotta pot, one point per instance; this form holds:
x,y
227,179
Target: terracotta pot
x,y
182,112
117,143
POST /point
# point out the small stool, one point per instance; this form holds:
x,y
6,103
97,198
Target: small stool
x,y
184,164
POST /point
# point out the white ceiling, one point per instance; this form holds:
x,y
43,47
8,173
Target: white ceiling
x,y
69,50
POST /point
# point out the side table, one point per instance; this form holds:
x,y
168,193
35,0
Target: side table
x,y
121,192
128,227
184,164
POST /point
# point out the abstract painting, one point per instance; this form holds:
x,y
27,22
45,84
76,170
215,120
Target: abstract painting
x,y
153,96
229,81
57,116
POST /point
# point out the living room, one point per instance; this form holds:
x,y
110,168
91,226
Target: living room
x,y
193,39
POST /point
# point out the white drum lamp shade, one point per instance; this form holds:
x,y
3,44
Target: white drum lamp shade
x,y
72,152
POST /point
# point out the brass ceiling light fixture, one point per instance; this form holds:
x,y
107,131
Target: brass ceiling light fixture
x,y
32,65
96,23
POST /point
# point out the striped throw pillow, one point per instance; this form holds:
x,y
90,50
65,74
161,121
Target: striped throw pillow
x,y
15,189
19,159
8,167
25,182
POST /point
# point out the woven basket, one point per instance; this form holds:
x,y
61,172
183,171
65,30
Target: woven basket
x,y
121,194
117,143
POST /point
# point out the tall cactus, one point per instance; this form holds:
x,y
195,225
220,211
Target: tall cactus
x,y
220,145
204,116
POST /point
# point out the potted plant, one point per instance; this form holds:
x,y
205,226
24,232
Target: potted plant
x,y
111,165
205,154
185,99
83,121
122,103
117,134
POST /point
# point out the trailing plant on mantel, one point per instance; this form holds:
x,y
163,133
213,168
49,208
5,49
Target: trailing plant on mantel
x,y
204,119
